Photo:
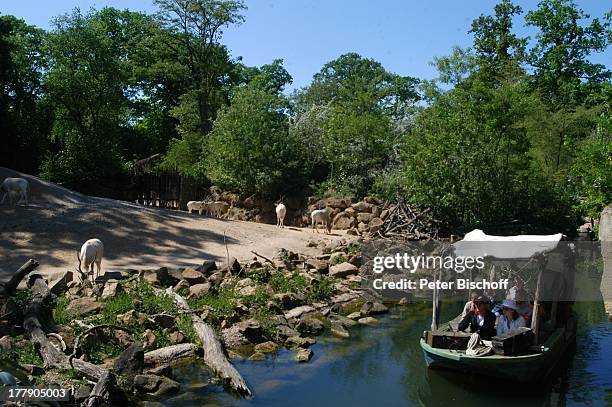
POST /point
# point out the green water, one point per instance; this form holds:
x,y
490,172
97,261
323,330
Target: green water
x,y
384,366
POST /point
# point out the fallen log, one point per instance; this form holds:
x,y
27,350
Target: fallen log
x,y
52,357
169,354
6,289
101,392
214,356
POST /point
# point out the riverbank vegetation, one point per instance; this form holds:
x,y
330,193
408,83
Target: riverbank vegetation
x,y
513,129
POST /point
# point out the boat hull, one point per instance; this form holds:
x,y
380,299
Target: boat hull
x,y
524,368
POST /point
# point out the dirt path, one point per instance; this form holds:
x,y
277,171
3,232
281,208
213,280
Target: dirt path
x,y
57,221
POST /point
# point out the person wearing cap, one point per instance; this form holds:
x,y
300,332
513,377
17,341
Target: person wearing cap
x,y
510,318
480,320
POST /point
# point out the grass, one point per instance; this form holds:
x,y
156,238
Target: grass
x,y
98,351
259,299
61,316
119,304
338,260
266,319
322,290
285,283
150,302
24,354
222,302
185,325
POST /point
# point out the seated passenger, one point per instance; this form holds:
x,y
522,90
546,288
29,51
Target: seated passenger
x,y
480,320
470,305
510,318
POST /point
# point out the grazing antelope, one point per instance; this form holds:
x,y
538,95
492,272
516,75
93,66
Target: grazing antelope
x,y
15,187
91,252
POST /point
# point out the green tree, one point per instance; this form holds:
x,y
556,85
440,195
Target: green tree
x,y
88,86
250,149
499,52
24,119
562,72
355,102
192,30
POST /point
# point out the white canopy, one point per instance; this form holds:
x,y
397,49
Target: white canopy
x,y
477,243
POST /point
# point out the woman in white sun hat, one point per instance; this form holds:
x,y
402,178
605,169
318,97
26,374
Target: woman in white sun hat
x,y
510,318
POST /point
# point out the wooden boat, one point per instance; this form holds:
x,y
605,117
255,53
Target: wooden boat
x,y
553,339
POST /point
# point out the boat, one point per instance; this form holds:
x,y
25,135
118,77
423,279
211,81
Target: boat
x,y
552,339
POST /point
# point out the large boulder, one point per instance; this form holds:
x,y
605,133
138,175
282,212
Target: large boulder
x,y
362,206
193,276
131,362
207,267
156,386
343,221
83,306
342,270
199,290
111,288
364,217
310,326
321,266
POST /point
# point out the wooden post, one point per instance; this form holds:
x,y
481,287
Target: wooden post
x,y
535,321
435,317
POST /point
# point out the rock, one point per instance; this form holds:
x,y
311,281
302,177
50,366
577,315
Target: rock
x,y
132,317
150,340
338,330
163,320
241,333
83,306
297,342
131,362
266,347
343,221
362,227
303,355
321,266
155,385
247,291
199,290
6,343
376,210
120,336
362,206
216,278
375,224
345,321
340,203
111,288
310,326
177,337
368,321
342,270
254,264
373,308
284,331
364,217
159,276
311,243
193,276
233,267
257,357
207,267
354,315
82,393
403,301
298,311
289,300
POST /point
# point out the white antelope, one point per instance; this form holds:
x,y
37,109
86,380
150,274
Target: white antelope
x,y
199,206
15,187
91,252
321,216
281,211
218,208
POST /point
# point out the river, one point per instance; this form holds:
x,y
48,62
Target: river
x,y
384,365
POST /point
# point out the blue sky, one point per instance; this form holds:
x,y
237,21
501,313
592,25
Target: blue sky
x,y
403,35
